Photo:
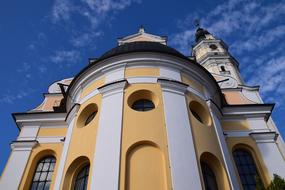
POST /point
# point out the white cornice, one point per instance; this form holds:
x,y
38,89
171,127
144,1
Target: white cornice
x,y
173,86
23,145
250,110
113,88
39,118
264,137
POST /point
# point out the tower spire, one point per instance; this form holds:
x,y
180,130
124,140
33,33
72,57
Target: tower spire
x,y
141,29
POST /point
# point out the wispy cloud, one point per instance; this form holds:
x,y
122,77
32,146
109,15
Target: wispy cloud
x,y
91,12
66,57
10,97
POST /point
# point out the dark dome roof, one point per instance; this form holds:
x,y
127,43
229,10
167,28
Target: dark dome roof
x,y
141,47
200,34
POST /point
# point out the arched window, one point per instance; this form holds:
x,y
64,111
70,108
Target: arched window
x,y
246,169
43,173
209,177
81,180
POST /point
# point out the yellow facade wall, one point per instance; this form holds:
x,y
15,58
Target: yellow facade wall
x,y
40,151
96,84
206,142
143,129
236,97
235,125
250,145
192,83
45,132
83,140
137,72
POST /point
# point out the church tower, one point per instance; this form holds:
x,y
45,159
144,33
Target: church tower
x,y
213,54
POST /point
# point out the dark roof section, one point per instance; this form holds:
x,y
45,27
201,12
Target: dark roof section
x,y
141,46
144,46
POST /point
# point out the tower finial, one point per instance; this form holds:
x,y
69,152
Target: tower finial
x,y
141,30
196,23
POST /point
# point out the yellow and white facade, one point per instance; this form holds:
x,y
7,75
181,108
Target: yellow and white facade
x,y
202,113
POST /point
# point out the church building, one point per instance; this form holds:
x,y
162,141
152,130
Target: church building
x,y
143,116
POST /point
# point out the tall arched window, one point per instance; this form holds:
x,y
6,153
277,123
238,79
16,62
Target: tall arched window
x,y
209,177
81,180
246,169
43,173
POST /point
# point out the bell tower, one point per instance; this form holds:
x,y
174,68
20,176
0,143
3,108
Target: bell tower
x,y
213,54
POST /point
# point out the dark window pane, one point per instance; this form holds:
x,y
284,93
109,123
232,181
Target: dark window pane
x,y
196,115
90,117
143,105
82,179
43,174
246,169
47,185
209,177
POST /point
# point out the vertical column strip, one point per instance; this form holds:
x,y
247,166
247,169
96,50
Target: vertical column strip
x,y
106,163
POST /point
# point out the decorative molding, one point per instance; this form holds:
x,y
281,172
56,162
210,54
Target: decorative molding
x,y
88,96
39,118
195,92
135,80
248,111
51,139
173,86
264,137
113,88
72,113
23,145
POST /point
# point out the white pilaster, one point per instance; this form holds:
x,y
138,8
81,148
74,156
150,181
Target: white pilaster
x,y
16,165
233,179
106,162
182,155
170,73
70,122
266,142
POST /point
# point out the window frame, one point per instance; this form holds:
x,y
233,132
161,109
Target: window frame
x,y
40,171
242,171
77,180
208,175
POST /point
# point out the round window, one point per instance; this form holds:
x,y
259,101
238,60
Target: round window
x,y
199,113
213,47
143,105
142,100
87,115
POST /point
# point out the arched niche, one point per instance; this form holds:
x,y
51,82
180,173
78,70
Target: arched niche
x,y
145,168
214,163
73,170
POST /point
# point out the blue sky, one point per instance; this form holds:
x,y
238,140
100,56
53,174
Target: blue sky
x,y
44,41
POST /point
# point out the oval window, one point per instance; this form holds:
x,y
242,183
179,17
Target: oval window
x,y
196,115
143,105
87,115
199,113
90,118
